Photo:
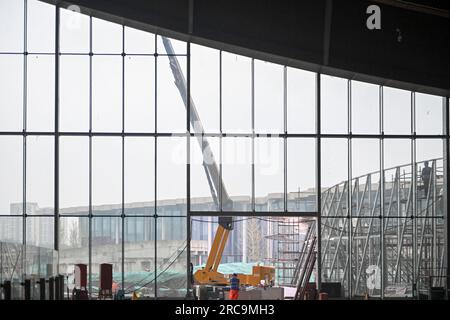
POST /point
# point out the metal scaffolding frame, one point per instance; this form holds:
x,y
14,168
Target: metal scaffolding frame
x,y
407,244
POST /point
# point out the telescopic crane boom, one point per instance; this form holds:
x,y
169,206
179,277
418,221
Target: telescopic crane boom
x,y
209,274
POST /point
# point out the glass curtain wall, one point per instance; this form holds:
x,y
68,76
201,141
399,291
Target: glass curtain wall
x,y
101,161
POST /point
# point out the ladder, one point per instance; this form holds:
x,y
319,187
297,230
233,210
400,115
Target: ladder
x,y
303,251
306,263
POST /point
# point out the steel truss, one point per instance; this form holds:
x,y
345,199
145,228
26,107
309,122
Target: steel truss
x,y
395,253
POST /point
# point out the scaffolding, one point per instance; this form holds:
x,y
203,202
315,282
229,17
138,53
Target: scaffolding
x,y
287,236
395,224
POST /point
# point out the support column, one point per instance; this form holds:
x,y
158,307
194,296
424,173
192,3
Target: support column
x,y
318,188
56,166
446,201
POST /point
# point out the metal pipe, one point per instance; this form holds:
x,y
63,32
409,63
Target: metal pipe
x,y
56,155
122,217
414,207
318,184
434,253
188,170
90,161
446,202
349,189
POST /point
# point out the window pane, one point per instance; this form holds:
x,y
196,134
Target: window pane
x,y
106,231
74,31
138,230
365,108
11,175
41,259
397,167
269,98
137,41
179,47
202,230
430,181
396,111
106,36
205,86
40,27
365,180
171,175
335,244
40,175
40,234
397,152
269,174
301,174
334,104
41,93
11,25
365,157
301,101
429,114
107,93
12,270
334,162
74,93
107,175
201,197
74,175
10,231
106,248
140,94
237,171
171,108
11,92
429,149
236,93
172,257
139,256
139,175
73,245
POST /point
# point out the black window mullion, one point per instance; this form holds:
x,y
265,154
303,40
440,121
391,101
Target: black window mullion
x,y
123,161
56,146
24,149
90,160
155,216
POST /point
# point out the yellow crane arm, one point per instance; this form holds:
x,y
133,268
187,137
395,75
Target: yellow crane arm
x,y
209,273
215,255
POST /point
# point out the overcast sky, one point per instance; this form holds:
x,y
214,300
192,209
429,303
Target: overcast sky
x,y
140,112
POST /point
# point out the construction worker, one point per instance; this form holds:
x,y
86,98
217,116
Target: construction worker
x,y
234,287
115,287
426,175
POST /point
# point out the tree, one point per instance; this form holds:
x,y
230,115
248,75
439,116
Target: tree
x,y
73,235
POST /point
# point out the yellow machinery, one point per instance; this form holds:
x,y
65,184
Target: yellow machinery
x,y
209,275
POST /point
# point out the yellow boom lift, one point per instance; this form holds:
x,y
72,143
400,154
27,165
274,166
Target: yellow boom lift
x,y
209,275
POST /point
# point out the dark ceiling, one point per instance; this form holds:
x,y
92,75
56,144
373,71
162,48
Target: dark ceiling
x,y
438,4
411,50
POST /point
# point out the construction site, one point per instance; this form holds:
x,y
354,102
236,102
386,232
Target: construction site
x,y
147,160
